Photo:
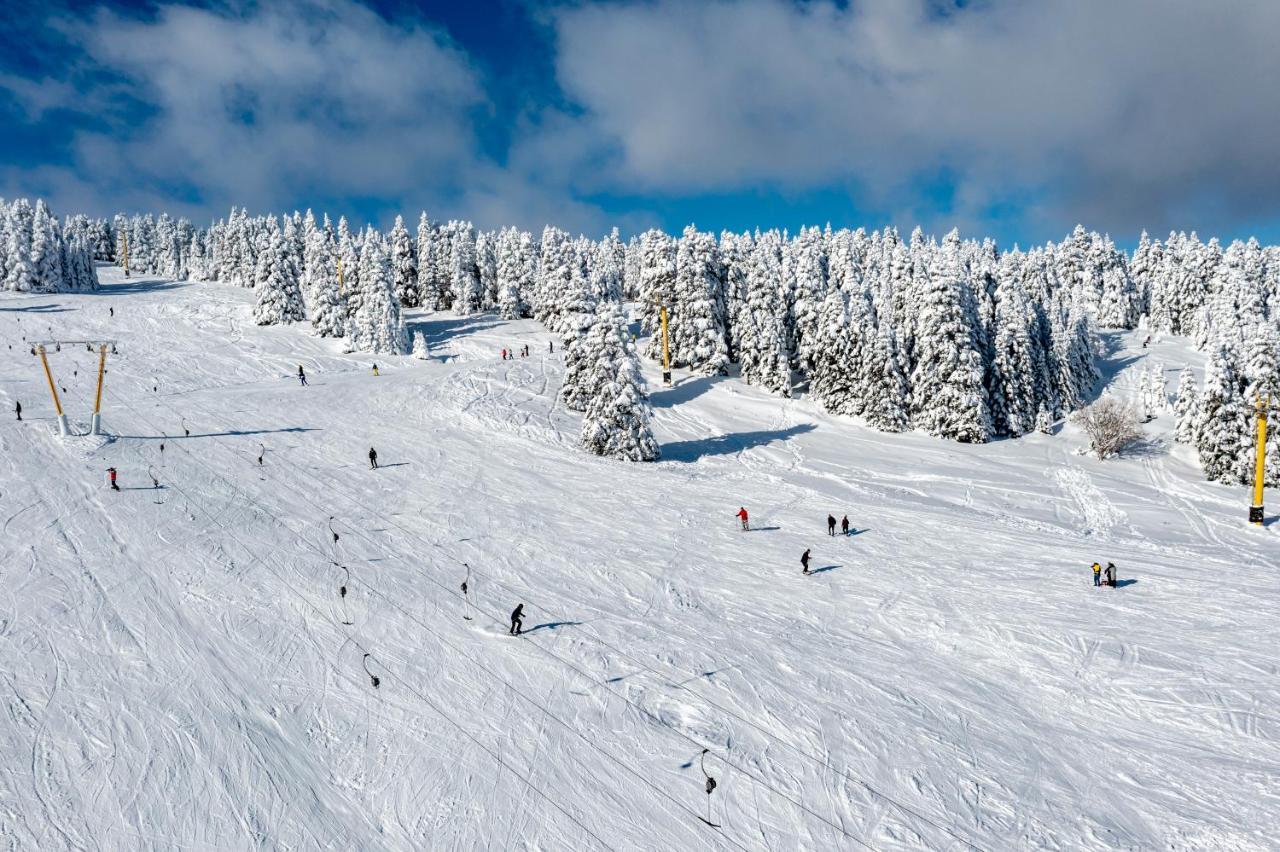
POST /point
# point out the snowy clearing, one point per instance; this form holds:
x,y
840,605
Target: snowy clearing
x,y
179,674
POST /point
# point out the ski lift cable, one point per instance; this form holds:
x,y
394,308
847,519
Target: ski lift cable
x,y
387,670
497,620
260,560
907,809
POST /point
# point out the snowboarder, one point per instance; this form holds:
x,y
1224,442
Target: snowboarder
x,y
302,376
517,620
373,458
804,560
742,516
1111,574
844,525
17,406
831,524
111,475
1097,574
375,369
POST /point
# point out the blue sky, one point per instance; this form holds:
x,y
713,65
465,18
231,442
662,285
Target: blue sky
x,y
1000,117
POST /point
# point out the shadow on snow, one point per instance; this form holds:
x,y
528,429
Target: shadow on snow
x,y
723,445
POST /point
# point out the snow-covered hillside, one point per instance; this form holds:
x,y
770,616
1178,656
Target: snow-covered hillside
x,y
178,673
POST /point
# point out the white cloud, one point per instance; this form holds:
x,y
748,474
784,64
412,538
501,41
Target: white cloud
x,y
275,106
1121,112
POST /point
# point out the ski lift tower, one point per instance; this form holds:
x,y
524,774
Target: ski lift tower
x,y
41,348
1257,514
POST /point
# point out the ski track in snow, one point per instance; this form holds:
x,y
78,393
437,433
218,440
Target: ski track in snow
x,y
182,678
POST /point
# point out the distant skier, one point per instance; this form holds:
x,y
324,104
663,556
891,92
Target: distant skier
x,y
17,406
844,525
111,476
373,458
742,516
504,354
111,311
551,346
831,524
262,452
1097,575
375,369
1111,574
302,376
804,560
517,620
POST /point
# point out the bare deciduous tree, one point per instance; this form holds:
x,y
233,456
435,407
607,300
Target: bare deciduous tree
x,y
1110,424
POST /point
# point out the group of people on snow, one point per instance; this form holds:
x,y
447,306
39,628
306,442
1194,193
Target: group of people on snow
x,y
510,354
745,517
1104,577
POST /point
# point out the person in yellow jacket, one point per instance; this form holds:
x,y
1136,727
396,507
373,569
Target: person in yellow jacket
x,y
1097,574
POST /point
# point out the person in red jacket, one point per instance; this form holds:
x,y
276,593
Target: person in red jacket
x,y
742,516
111,475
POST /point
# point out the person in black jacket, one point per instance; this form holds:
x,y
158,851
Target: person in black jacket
x,y
373,458
831,524
517,620
804,560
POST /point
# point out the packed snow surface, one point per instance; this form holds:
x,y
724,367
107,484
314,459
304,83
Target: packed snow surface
x,y
178,673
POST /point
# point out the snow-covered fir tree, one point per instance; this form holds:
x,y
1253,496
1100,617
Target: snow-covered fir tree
x,y
617,420
404,265
949,398
657,285
487,268
468,296
376,326
762,335
1186,408
1222,425
277,294
514,272
696,324
420,350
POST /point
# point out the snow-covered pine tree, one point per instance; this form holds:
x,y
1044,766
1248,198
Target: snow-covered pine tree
x,y
1120,303
949,399
1186,409
514,272
487,268
1142,268
887,395
420,350
836,367
20,275
46,251
762,331
1019,359
809,289
377,326
576,390
277,295
657,285
696,324
404,265
468,297
348,267
1222,422
616,423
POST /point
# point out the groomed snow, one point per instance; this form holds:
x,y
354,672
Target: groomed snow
x,y
177,674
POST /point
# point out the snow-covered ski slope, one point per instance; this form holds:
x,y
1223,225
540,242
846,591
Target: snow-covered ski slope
x,y
178,675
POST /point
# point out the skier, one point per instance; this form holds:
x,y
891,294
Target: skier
x,y
1097,575
844,525
375,369
302,377
504,354
111,310
373,458
742,516
18,407
111,475
831,524
551,346
517,620
1111,574
804,560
